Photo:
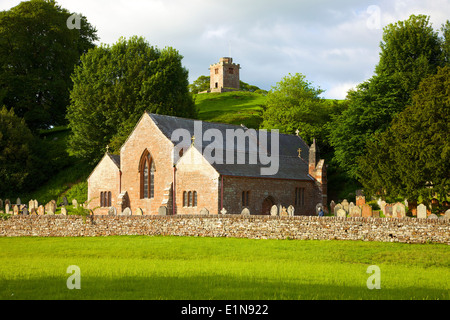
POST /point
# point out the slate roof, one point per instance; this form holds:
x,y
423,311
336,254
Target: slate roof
x,y
115,158
290,165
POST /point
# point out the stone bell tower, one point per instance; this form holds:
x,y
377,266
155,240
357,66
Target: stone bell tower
x,y
224,75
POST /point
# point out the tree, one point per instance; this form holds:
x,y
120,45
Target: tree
x,y
15,157
412,158
115,85
410,51
201,84
446,42
38,53
295,104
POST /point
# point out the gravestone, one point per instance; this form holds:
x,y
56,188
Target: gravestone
x,y
360,200
447,214
63,211
65,202
388,210
127,211
139,212
421,211
274,210
337,208
283,211
75,203
7,208
50,207
291,210
355,211
345,205
31,204
204,211
162,211
376,213
398,211
41,210
332,205
16,210
366,211
18,201
25,211
341,213
112,211
432,216
350,206
245,212
36,204
223,211
7,202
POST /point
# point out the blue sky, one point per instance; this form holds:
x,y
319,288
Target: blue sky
x,y
335,44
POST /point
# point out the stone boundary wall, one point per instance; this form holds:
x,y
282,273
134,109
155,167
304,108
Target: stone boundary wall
x,y
407,230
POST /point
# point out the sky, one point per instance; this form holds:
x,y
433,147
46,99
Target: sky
x,y
335,44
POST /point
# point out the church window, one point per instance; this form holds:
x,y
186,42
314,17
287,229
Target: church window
x,y
245,198
189,198
299,199
195,199
147,171
185,199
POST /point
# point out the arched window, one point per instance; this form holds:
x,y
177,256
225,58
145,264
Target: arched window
x,y
147,171
195,199
101,199
184,199
109,198
189,199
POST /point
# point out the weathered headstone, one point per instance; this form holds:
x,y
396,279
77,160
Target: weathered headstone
x,y
139,212
18,201
162,211
421,211
360,200
245,212
291,210
447,214
283,211
41,210
332,205
388,210
25,211
7,208
274,210
223,211
36,204
345,205
350,206
355,211
432,216
63,211
341,213
112,211
127,211
204,211
16,210
7,202
337,208
50,207
366,211
31,204
398,210
75,203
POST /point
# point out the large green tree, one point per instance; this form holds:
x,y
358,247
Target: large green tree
x,y
410,51
295,104
412,158
115,85
38,52
15,156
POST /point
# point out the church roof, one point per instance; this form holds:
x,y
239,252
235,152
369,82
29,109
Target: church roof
x,y
291,166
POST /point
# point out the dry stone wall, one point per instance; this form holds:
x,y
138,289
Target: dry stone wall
x,y
407,230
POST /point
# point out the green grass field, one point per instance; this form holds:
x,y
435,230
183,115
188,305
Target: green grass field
x,y
237,107
189,268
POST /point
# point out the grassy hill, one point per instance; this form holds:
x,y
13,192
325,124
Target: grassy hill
x,y
237,107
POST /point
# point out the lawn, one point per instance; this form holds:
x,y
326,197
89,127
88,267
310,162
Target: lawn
x,y
190,268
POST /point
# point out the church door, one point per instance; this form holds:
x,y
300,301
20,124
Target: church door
x,y
266,205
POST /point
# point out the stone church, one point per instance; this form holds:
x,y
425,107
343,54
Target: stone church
x,y
156,173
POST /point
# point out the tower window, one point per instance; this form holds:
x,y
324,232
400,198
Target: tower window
x,y
230,70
